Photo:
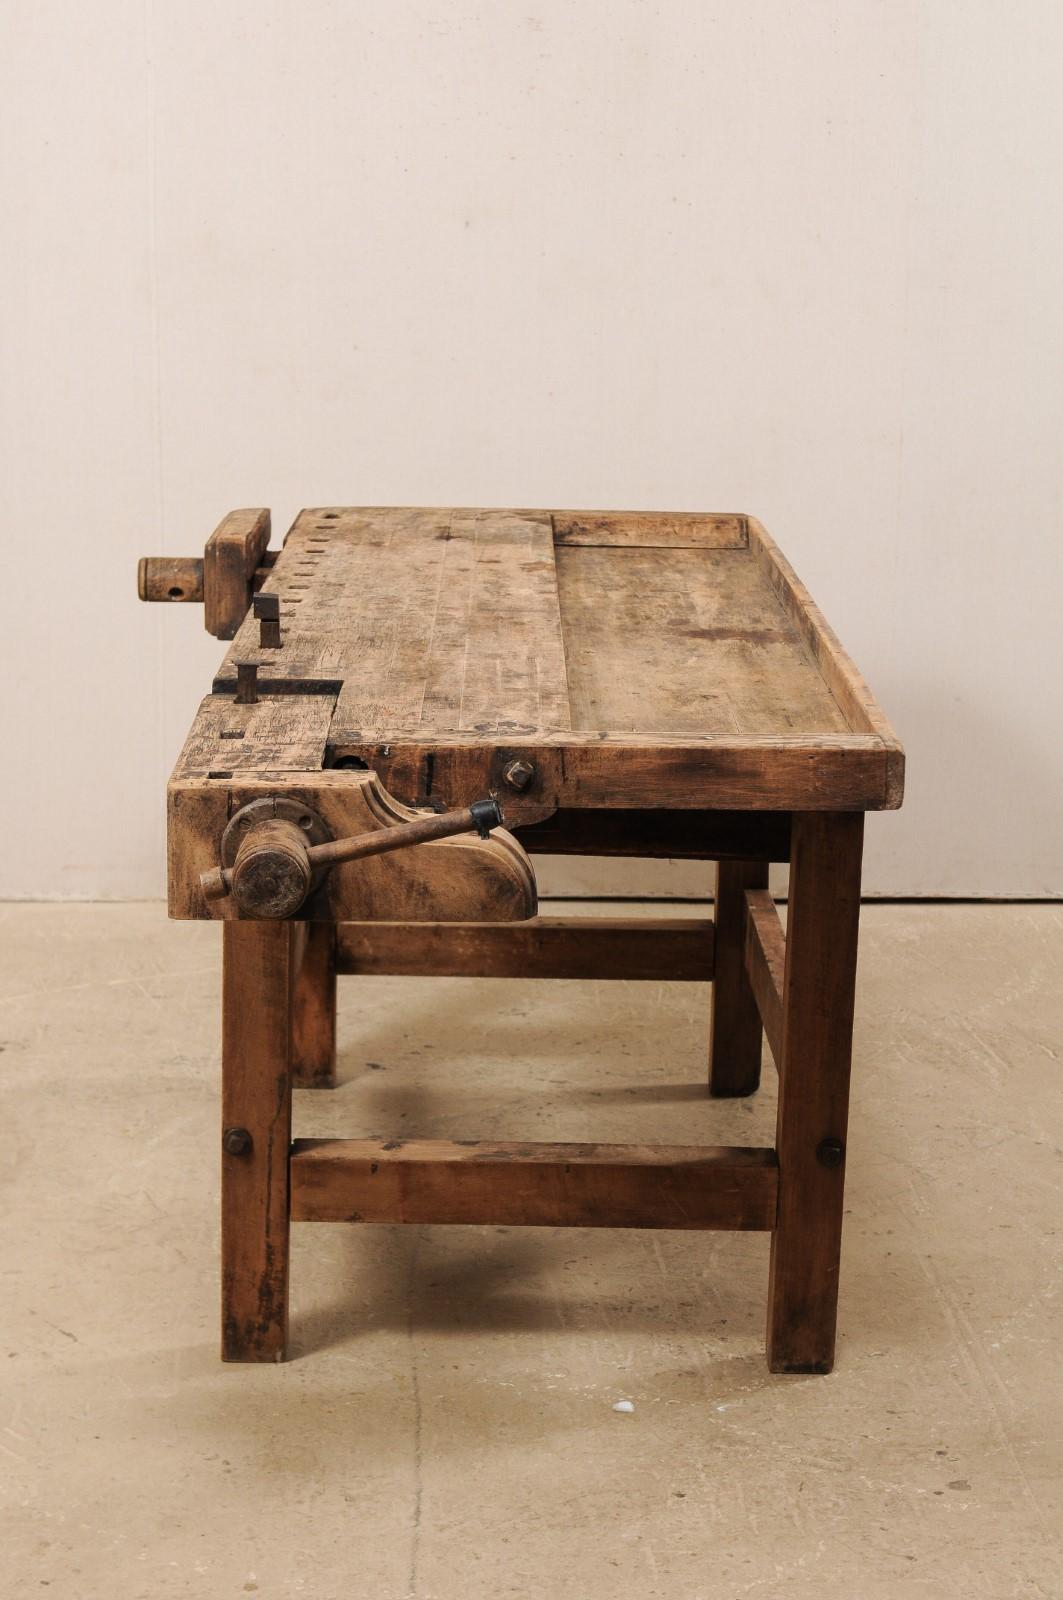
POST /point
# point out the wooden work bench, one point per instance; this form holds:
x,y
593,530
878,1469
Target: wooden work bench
x,y
627,684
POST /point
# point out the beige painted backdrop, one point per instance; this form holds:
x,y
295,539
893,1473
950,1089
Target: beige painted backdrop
x,y
802,259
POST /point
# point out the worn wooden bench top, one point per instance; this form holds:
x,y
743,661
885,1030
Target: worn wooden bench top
x,y
625,662
637,659
443,622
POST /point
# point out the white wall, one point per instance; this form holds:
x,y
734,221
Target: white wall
x,y
803,259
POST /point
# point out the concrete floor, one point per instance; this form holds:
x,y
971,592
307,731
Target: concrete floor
x,y
447,1428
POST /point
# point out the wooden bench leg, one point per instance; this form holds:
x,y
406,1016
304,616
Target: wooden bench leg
x,y
257,982
817,1034
314,1009
735,1033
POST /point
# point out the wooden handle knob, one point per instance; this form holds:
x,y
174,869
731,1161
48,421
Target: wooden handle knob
x,y
271,874
170,578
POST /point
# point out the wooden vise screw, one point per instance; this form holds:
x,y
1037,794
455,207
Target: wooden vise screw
x,y
170,578
275,867
234,565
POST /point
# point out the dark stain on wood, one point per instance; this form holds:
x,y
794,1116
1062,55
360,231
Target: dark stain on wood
x,y
742,635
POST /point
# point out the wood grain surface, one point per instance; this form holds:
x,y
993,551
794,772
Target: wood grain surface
x,y
538,1185
439,622
817,1042
230,559
258,969
628,949
314,1007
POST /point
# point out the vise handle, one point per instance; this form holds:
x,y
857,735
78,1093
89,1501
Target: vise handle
x,y
274,866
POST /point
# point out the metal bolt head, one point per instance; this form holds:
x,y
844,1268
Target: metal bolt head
x,y
518,774
830,1152
236,1142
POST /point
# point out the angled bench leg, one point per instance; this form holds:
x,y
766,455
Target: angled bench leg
x,y
735,1034
257,981
314,1008
817,1036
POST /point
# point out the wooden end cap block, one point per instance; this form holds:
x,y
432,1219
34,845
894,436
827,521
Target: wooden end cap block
x,y
233,553
170,579
539,1185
